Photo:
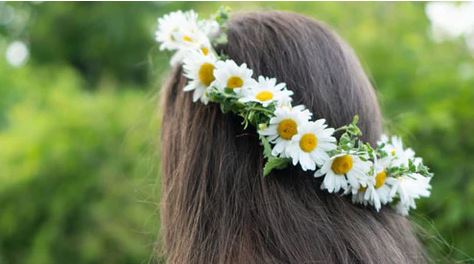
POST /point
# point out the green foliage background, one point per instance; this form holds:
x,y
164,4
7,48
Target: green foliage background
x,y
79,170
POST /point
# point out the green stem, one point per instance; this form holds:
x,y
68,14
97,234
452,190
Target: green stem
x,y
261,109
340,129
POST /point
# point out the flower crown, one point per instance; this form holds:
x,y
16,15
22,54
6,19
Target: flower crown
x,y
386,174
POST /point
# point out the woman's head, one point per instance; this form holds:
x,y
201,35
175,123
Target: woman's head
x,y
218,208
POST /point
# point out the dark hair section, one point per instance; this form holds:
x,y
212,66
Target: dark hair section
x,y
216,205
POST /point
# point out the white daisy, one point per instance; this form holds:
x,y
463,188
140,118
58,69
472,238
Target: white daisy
x,y
284,126
199,69
173,24
378,192
178,57
393,146
383,181
190,37
266,91
360,196
402,209
310,146
409,188
337,168
231,76
209,27
181,54
181,31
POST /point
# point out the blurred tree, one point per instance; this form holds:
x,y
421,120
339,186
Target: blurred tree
x,y
77,180
101,40
94,37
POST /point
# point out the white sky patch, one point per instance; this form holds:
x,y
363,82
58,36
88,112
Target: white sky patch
x,y
452,20
17,53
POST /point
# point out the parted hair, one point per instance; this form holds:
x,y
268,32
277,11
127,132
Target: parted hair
x,y
216,205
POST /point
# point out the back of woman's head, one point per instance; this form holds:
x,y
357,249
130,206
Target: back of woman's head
x,y
217,206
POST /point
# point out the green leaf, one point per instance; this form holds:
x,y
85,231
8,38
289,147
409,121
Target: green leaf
x,y
275,163
222,15
355,120
220,40
272,161
267,148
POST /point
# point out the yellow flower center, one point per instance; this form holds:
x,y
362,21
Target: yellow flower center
x,y
393,152
206,74
234,82
341,165
308,142
205,51
187,38
380,179
287,128
264,96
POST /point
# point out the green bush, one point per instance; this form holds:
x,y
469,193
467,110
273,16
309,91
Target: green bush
x,y
76,178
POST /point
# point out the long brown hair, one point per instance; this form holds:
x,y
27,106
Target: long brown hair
x,y
216,205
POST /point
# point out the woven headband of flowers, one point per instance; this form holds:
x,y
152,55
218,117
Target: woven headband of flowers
x,y
291,135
